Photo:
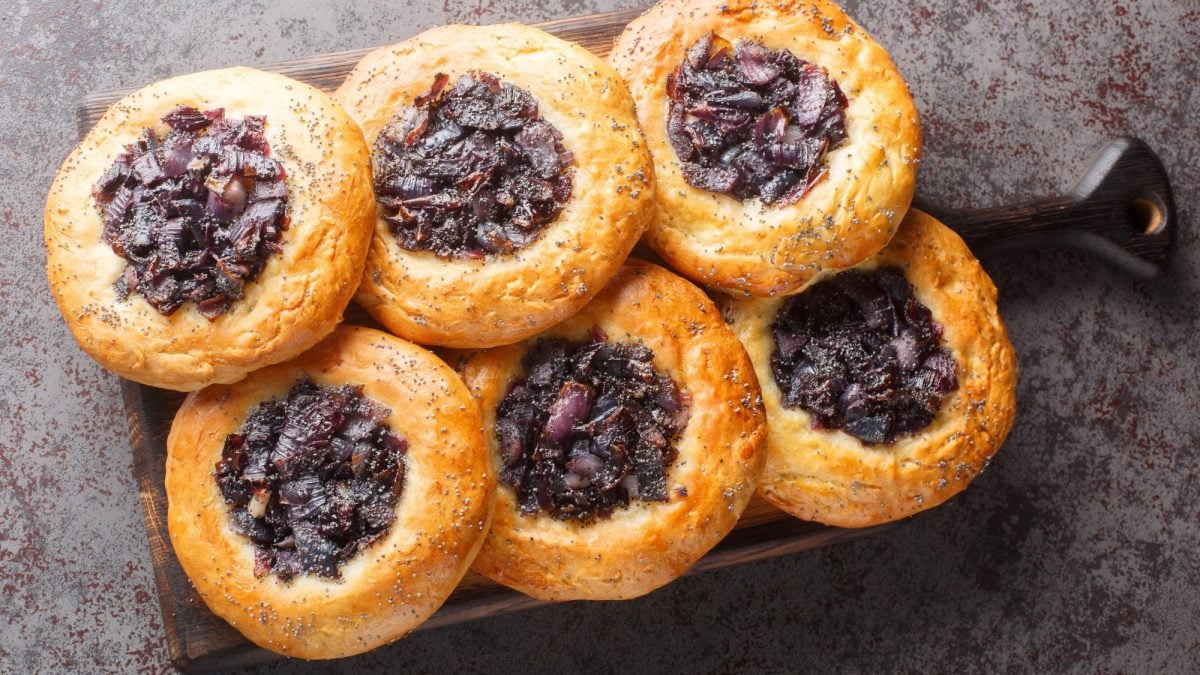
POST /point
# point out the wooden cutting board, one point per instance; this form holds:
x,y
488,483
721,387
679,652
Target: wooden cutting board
x,y
1126,187
199,641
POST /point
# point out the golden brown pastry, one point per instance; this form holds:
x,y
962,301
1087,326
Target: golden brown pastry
x,y
629,440
889,387
785,141
329,505
208,225
511,176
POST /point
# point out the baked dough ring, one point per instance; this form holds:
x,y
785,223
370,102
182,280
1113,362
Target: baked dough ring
x,y
644,545
746,247
298,298
500,300
832,477
395,584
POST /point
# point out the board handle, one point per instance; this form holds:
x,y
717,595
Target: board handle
x,y
1122,210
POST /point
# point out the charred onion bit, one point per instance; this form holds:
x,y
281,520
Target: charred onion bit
x,y
195,213
471,170
312,478
860,353
749,121
590,427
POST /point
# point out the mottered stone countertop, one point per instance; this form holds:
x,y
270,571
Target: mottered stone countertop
x,y
1078,549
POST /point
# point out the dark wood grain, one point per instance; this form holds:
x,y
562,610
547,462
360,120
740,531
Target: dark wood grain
x,y
1122,210
1126,182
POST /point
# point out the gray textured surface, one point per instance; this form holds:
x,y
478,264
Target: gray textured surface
x,y
1077,550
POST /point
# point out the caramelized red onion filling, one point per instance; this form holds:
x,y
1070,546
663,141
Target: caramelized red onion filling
x,y
860,353
471,169
312,479
195,213
753,122
590,427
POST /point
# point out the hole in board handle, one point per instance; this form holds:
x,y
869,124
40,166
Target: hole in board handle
x,y
1144,216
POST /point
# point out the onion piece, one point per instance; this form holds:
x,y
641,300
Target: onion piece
x,y
572,406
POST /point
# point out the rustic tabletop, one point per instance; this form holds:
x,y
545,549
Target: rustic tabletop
x,y
1076,550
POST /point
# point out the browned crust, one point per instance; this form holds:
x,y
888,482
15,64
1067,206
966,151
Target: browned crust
x,y
742,247
832,477
300,295
645,545
394,585
500,300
